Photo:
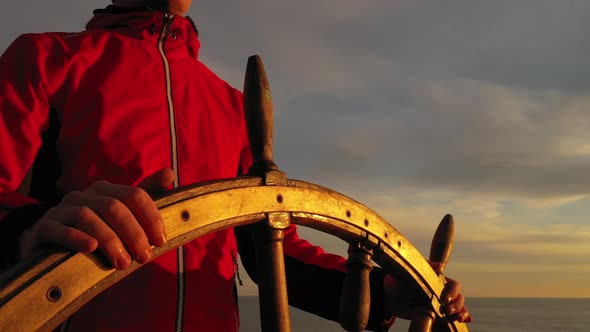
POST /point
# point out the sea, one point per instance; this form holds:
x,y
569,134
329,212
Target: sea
x,y
489,314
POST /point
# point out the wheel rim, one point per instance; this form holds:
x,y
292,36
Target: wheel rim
x,y
51,288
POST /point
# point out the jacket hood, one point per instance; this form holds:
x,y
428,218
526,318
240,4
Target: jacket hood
x,y
146,23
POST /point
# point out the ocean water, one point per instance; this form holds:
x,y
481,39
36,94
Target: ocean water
x,y
490,314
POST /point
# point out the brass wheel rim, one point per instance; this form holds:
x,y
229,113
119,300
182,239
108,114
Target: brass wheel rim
x,y
52,287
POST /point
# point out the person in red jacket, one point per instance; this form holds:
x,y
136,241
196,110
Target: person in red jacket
x,y
96,121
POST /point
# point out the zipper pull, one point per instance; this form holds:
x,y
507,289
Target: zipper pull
x,y
167,24
236,267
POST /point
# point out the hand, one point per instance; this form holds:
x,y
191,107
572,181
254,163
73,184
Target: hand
x,y
454,301
120,221
400,301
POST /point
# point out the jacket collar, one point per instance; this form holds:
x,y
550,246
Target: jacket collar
x,y
147,23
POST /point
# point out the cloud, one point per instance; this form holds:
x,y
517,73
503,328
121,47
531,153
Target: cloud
x,y
459,135
463,96
495,254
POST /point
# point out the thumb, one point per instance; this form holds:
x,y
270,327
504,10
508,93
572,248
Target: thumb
x,y
157,182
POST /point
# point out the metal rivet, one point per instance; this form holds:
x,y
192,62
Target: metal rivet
x,y
348,214
54,294
185,215
279,198
399,243
386,235
367,222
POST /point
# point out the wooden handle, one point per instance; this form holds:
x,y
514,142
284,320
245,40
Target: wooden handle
x,y
442,242
272,280
267,234
259,116
355,298
440,252
422,320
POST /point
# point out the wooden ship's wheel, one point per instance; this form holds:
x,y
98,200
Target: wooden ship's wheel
x,y
41,293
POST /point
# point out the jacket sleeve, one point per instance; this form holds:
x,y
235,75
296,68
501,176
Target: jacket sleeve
x,y
314,277
24,108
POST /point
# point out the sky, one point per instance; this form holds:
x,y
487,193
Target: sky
x,y
417,109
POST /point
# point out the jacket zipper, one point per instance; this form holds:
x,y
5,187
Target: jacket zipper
x,y
174,148
173,140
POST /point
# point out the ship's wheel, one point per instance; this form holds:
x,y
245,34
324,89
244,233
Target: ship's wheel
x,y
43,292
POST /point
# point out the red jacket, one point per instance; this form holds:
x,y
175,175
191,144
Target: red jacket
x,y
118,102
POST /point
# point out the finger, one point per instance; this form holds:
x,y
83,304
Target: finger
x,y
463,316
142,207
451,291
121,220
53,232
86,220
457,305
157,182
143,213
